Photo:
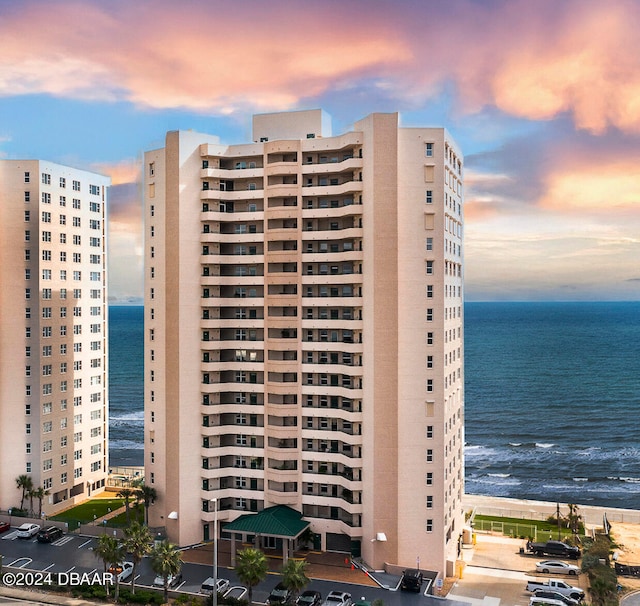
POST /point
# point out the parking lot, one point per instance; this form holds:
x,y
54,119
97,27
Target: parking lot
x,y
496,573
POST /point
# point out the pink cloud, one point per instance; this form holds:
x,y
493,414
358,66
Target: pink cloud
x,y
533,60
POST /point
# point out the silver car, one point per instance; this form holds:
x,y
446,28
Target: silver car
x,y
26,531
549,566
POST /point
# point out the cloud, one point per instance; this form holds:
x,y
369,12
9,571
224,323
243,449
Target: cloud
x,y
125,171
532,60
125,240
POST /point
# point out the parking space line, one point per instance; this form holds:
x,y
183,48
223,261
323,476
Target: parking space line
x,y
47,568
85,543
26,561
70,569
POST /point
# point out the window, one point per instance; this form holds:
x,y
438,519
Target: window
x,y
429,455
429,196
46,198
46,236
429,244
429,150
27,177
76,186
429,526
429,385
429,478
430,291
94,190
63,201
430,314
46,178
429,268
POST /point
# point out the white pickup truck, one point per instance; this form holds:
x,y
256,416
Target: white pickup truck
x,y
560,586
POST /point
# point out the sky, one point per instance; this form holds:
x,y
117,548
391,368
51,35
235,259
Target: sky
x,y
543,97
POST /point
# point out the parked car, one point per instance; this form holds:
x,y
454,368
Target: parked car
x,y
4,526
49,535
536,601
279,595
555,548
309,598
207,585
411,580
26,531
122,571
559,586
338,598
549,566
556,595
173,580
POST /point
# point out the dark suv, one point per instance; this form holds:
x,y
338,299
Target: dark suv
x,y
279,595
49,535
411,580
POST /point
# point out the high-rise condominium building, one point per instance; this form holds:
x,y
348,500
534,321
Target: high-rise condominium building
x,y
53,332
304,334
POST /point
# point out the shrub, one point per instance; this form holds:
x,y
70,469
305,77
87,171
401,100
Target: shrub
x,y
140,597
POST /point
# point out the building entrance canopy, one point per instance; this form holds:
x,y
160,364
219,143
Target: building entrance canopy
x,y
280,521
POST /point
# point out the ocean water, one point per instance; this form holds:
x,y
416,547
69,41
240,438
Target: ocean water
x,y
552,399
126,385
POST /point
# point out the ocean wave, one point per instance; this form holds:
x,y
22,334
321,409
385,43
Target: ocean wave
x,y
580,479
515,444
130,416
627,480
499,475
125,445
492,480
544,444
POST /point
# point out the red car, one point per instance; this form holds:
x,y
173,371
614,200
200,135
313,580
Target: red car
x,y
4,526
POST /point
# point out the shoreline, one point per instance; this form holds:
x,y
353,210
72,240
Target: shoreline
x,y
540,510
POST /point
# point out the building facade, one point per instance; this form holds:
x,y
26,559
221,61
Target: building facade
x,y
53,333
304,333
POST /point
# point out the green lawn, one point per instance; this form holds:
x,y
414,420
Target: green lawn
x,y
516,527
120,521
85,512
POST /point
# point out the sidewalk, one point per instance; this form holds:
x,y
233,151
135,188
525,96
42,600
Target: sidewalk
x,y
325,566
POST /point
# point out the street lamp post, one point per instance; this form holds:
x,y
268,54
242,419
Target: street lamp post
x,y
215,552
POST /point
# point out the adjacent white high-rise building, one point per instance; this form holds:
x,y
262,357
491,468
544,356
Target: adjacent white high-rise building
x,y
53,332
304,334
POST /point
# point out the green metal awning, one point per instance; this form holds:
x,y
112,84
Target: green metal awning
x,y
278,521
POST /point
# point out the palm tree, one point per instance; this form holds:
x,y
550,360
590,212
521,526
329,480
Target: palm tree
x,y
24,483
294,576
127,494
574,519
148,495
137,542
166,561
251,568
39,493
111,552
31,494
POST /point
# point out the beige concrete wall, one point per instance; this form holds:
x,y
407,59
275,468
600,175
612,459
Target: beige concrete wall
x,y
68,366
388,221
